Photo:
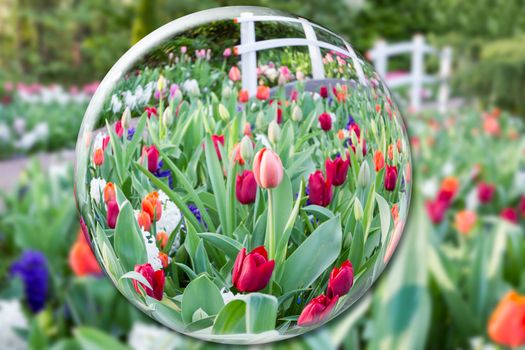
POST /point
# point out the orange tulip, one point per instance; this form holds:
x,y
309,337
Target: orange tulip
x,y
109,192
243,96
390,151
164,259
263,92
450,185
162,238
144,220
465,221
379,160
98,157
81,258
506,324
491,126
151,205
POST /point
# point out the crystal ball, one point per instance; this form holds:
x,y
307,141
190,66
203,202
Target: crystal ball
x,y
242,175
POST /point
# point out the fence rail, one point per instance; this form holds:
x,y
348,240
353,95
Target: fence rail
x,y
249,47
418,49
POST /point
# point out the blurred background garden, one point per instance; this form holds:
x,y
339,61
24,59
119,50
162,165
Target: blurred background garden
x,y
450,284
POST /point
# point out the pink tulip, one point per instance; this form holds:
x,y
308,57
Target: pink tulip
x,y
156,279
234,74
113,211
267,169
246,187
317,310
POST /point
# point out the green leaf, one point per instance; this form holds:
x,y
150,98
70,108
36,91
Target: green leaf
x,y
137,276
319,212
231,319
228,245
93,339
129,244
313,256
201,293
384,215
216,178
261,312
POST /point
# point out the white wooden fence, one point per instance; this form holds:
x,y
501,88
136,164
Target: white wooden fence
x,y
249,47
417,48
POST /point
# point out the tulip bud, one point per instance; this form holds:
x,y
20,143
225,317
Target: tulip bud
x,y
152,154
223,113
109,193
354,137
167,117
98,157
319,189
246,187
126,117
161,83
177,95
267,169
259,121
162,239
113,211
358,210
151,205
226,92
246,148
337,170
325,121
297,113
144,220
390,178
363,179
274,132
373,126
252,272
505,325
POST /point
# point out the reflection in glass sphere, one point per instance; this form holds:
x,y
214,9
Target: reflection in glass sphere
x,y
243,175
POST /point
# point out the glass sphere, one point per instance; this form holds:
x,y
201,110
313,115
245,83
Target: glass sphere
x,y
242,175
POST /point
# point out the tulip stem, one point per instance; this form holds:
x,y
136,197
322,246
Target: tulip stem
x,y
270,230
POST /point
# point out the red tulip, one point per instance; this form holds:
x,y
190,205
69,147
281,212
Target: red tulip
x,y
449,188
263,92
390,177
510,215
153,157
156,280
98,157
252,271
325,120
337,170
243,96
105,142
113,211
505,325
234,74
279,116
267,168
355,128
319,189
151,205
341,280
323,91
151,111
119,130
317,310
294,95
246,187
436,210
218,139
485,192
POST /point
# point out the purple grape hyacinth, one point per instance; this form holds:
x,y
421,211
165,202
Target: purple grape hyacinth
x,y
32,269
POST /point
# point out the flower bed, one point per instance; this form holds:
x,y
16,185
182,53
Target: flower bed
x,y
214,207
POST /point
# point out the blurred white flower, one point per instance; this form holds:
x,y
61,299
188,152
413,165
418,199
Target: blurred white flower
x,y
12,318
271,73
429,188
96,188
191,86
472,200
448,169
19,124
147,337
519,181
99,140
39,133
5,133
116,104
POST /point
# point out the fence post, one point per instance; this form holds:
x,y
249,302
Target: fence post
x,y
380,58
444,75
417,74
248,59
315,52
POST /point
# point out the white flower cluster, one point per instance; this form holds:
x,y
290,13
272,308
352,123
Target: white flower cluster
x,y
11,318
147,337
136,99
52,94
39,133
151,250
191,87
171,215
96,188
99,140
